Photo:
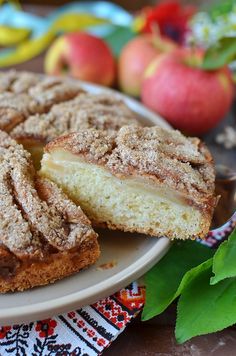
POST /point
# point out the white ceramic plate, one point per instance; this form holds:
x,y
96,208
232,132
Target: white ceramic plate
x,y
132,255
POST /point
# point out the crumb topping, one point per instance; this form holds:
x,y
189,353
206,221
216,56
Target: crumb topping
x,y
24,81
6,80
44,127
95,145
9,118
85,111
87,100
23,94
31,220
15,109
50,91
79,224
14,229
69,108
23,103
17,82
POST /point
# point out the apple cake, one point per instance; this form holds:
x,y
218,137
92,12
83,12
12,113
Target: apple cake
x,y
44,235
146,180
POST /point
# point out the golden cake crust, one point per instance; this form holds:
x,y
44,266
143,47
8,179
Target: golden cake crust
x,y
38,224
58,266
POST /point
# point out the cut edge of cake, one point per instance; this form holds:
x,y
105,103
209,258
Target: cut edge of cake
x,y
115,178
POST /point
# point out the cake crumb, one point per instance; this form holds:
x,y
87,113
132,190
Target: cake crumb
x,y
107,265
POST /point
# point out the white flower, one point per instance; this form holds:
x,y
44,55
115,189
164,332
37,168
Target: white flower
x,y
206,32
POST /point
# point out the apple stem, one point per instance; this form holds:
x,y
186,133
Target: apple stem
x,y
194,56
156,33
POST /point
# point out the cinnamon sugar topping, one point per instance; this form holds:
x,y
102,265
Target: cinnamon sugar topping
x,y
85,111
24,94
70,107
31,220
50,91
17,82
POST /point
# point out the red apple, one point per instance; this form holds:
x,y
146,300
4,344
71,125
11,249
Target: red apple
x,y
82,56
190,98
136,56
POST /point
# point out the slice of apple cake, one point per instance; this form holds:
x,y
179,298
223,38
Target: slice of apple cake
x,y
44,236
146,180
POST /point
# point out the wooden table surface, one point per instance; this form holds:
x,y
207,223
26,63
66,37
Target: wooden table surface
x,y
156,337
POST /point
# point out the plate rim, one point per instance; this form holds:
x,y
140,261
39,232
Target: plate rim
x,y
39,311
89,295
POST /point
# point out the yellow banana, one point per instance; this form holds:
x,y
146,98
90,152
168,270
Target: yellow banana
x,y
74,22
27,50
10,36
30,48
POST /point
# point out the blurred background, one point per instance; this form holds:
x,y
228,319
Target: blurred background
x,y
119,43
128,5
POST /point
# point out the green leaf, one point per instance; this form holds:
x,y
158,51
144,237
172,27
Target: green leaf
x,y
221,8
118,38
163,280
191,274
224,262
203,308
219,55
